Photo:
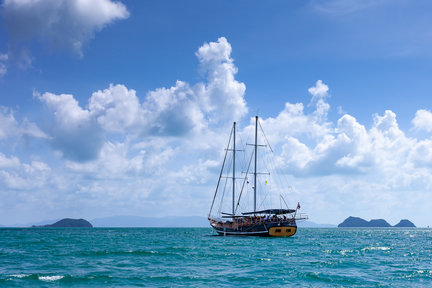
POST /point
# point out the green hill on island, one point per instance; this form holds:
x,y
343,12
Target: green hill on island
x,y
359,222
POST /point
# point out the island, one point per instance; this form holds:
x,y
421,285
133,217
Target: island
x,y
68,222
359,222
405,223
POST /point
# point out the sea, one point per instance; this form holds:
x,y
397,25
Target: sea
x,y
196,257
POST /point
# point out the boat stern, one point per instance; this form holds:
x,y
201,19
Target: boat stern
x,y
282,231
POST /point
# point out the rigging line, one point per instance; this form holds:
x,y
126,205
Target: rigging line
x,y
281,178
261,205
243,162
273,165
265,193
275,177
223,193
262,130
244,181
284,201
242,159
220,175
281,181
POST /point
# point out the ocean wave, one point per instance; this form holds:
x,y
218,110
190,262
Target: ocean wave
x,y
419,274
23,276
19,275
62,278
51,278
381,248
342,252
35,276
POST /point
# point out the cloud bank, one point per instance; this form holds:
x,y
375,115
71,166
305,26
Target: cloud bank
x,y
178,111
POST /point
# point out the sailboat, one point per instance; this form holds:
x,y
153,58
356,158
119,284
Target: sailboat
x,y
279,222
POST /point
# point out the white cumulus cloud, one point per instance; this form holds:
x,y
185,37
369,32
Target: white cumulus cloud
x,y
313,146
116,108
320,90
222,96
10,127
61,24
423,120
17,175
75,133
178,111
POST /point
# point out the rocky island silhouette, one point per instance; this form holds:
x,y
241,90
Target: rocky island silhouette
x,y
68,222
359,222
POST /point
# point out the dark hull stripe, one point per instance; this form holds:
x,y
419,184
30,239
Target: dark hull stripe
x,y
237,233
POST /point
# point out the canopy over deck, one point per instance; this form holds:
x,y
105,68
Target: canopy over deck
x,y
271,211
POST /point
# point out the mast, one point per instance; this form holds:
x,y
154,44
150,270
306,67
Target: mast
x,y
220,175
233,176
255,169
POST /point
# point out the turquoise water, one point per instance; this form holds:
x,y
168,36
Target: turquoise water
x,y
171,257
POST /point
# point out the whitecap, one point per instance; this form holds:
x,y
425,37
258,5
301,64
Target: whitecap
x,y
50,278
19,275
344,252
425,272
382,248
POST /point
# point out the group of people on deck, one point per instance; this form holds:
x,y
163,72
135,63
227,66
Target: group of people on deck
x,y
262,219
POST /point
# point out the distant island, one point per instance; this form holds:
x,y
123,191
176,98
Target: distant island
x,y
68,222
359,222
405,223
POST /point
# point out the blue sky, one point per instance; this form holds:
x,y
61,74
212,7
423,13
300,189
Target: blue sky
x,y
123,108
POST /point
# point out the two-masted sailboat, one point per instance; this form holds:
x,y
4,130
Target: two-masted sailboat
x,y
258,222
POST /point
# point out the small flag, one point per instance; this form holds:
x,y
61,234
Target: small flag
x,y
298,205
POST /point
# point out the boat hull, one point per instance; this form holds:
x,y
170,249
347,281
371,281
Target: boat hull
x,y
284,229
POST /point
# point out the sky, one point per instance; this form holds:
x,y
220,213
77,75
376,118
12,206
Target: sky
x,y
125,107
